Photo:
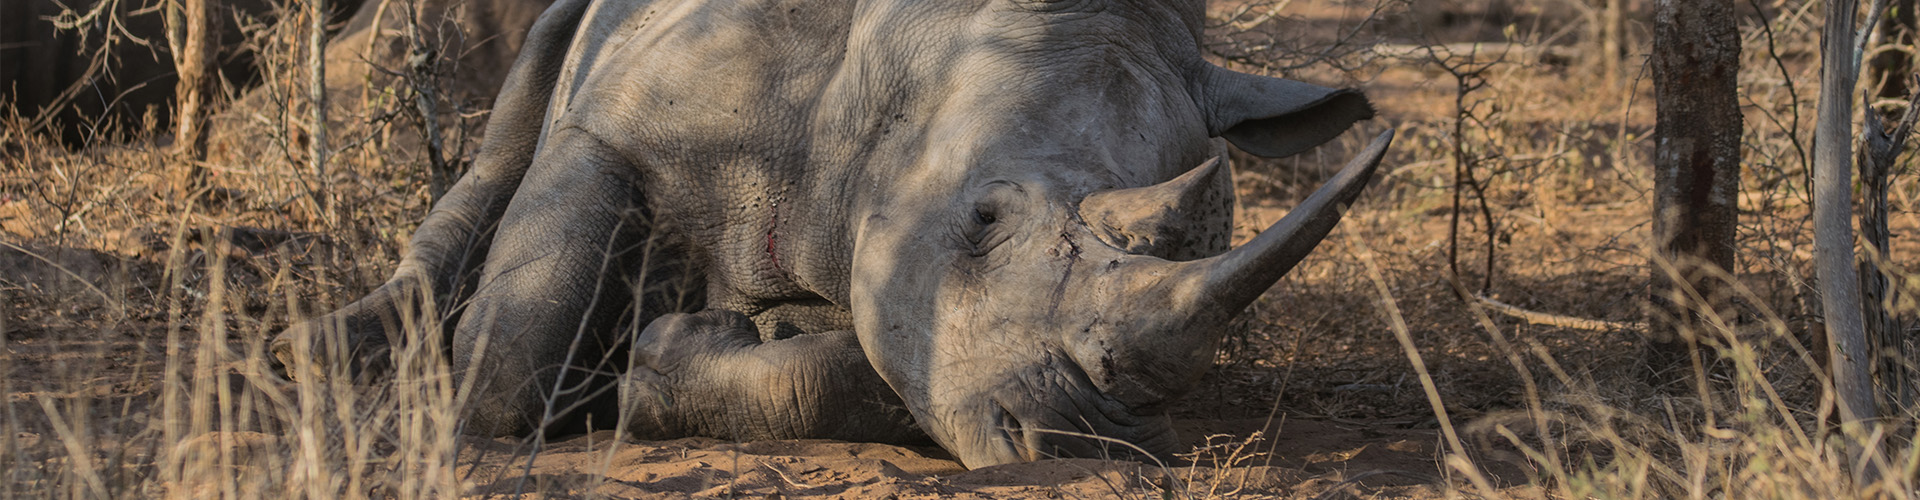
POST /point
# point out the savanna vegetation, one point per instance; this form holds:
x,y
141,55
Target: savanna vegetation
x,y
1588,269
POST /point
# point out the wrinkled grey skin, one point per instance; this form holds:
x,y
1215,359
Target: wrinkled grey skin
x,y
993,222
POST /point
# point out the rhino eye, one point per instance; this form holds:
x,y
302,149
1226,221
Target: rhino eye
x,y
982,235
983,216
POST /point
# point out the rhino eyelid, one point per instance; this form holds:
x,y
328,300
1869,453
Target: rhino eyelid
x,y
966,237
981,237
984,217
977,241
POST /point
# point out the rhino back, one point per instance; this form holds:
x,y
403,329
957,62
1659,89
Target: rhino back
x,y
712,102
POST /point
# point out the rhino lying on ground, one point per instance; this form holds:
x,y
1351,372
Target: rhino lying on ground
x,y
1000,224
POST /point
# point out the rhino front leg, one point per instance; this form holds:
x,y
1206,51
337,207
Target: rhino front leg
x,y
538,334
709,374
451,243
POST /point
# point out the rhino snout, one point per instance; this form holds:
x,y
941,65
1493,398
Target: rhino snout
x,y
1052,412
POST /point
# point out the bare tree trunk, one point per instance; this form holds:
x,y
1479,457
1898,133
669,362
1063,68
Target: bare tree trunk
x,y
317,67
423,77
1833,227
1887,71
1883,333
1695,58
1610,43
191,25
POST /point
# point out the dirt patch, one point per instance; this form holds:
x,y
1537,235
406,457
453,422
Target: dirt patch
x,y
1238,458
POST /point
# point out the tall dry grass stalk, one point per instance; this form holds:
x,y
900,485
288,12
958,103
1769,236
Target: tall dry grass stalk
x,y
222,425
216,421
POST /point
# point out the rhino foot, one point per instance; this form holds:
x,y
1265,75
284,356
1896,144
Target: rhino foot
x,y
709,374
366,361
354,343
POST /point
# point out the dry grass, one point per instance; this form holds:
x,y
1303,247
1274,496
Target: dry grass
x,y
134,311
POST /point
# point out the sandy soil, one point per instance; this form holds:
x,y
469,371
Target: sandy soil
x,y
1301,459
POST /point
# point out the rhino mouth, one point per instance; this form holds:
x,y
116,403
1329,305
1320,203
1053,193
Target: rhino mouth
x,y
1052,410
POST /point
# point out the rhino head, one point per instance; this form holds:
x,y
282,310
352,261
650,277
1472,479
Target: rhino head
x,y
1039,239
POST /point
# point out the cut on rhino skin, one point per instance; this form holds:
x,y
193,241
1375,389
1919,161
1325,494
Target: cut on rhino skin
x,y
892,220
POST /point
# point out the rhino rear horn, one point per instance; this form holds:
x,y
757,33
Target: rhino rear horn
x,y
1186,218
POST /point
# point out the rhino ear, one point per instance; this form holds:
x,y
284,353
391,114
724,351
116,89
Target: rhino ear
x,y
1275,117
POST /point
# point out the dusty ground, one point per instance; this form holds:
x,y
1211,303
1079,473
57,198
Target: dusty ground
x,y
1385,459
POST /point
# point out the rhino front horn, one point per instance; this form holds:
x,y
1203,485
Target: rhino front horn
x,y
1227,283
1161,343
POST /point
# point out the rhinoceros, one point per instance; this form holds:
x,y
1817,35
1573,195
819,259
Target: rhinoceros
x,y
999,224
